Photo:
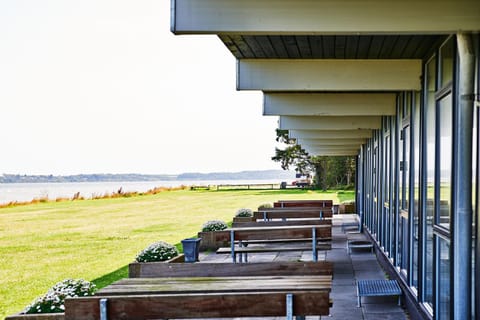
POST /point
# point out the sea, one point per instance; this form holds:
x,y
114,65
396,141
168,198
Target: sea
x,y
10,192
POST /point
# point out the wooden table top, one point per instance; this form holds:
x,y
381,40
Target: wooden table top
x,y
268,228
142,286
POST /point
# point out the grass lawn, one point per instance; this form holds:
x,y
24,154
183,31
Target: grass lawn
x,y
95,240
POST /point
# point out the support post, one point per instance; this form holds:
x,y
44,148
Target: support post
x,y
462,180
232,246
289,304
103,309
314,245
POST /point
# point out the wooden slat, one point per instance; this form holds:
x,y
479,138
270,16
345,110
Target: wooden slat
x,y
291,46
316,47
159,269
363,46
278,45
199,306
266,45
375,47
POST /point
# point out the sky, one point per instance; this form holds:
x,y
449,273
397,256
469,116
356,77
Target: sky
x,y
103,86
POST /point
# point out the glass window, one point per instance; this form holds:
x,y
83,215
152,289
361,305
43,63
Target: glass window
x,y
446,60
405,166
430,177
443,290
401,175
443,216
416,187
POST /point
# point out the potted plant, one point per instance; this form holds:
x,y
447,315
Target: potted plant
x,y
243,215
157,251
213,235
265,206
51,306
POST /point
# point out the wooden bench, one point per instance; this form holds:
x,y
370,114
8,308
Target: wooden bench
x,y
375,288
350,224
268,214
212,297
359,244
204,269
270,223
244,251
245,236
303,203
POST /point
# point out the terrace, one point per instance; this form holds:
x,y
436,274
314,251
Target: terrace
x,y
251,288
348,268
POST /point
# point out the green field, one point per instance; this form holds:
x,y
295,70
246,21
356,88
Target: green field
x,y
95,240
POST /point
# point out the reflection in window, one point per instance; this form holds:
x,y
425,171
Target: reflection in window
x,y
430,173
446,60
416,187
443,290
445,163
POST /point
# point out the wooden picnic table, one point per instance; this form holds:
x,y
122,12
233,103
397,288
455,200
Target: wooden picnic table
x,y
212,269
279,223
286,234
280,233
303,203
215,285
205,297
268,214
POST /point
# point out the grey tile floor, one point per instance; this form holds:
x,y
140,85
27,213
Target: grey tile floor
x,y
348,268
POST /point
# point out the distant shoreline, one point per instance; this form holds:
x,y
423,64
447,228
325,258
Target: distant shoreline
x,y
25,192
242,175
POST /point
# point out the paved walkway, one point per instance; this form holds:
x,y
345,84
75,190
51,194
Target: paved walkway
x,y
348,268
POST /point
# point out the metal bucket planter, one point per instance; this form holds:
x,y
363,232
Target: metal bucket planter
x,y
191,249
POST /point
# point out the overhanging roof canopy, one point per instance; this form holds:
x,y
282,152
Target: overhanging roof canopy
x,y
330,69
306,17
328,104
328,75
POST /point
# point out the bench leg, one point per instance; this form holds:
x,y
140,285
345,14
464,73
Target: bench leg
x,y
289,305
359,298
232,246
300,317
103,309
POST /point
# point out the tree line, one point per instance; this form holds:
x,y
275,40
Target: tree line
x,y
328,172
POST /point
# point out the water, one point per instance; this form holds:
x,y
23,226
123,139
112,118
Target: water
x,y
28,191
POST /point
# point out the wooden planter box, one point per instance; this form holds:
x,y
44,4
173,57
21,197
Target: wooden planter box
x,y
213,240
243,219
136,269
346,208
37,316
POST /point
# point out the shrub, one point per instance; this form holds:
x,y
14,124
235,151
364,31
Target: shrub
x,y
54,300
158,251
244,213
214,225
265,206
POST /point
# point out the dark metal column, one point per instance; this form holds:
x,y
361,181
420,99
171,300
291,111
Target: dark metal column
x,y
461,261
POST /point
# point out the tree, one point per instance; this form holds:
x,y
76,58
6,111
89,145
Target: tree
x,y
292,156
328,172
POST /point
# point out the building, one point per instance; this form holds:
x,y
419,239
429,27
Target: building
x,y
395,83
